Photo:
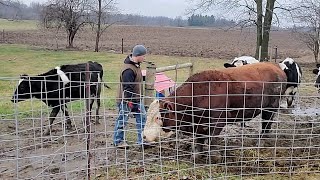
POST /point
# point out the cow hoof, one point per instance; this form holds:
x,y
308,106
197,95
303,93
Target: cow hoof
x,y
69,126
214,157
46,133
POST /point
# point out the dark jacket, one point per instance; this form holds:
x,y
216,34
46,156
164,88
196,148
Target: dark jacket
x,y
130,81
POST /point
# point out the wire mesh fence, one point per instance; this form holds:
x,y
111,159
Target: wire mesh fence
x,y
239,151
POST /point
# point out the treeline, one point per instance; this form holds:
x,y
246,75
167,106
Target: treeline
x,y
15,10
208,21
129,19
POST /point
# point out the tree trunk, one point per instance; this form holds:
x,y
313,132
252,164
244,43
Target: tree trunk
x,y
71,36
259,27
96,49
316,49
266,29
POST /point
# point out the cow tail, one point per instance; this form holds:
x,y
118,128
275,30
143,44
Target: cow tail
x,y
101,81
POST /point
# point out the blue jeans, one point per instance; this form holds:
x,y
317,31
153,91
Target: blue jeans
x,y
122,120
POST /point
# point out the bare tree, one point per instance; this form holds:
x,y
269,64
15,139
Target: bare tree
x,y
259,13
101,11
308,17
69,14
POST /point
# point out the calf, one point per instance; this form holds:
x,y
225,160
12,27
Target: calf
x,y
240,61
61,85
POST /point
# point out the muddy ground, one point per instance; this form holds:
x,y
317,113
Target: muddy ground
x,y
291,147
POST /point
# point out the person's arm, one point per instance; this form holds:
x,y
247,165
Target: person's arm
x,y
128,79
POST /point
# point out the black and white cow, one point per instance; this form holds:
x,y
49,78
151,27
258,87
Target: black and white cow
x,y
294,74
61,85
240,61
317,72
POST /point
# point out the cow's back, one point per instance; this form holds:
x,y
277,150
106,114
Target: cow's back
x,y
267,72
252,86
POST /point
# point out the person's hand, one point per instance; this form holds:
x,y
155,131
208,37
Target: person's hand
x,y
130,104
133,107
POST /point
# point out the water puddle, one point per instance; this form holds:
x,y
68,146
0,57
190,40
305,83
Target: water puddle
x,y
306,111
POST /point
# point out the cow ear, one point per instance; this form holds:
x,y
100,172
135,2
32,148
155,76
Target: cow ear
x,y
227,65
23,76
168,105
318,65
315,71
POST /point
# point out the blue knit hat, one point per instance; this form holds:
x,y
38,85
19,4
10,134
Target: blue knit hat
x,y
139,50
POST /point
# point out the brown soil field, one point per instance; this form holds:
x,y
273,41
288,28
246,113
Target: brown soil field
x,y
195,42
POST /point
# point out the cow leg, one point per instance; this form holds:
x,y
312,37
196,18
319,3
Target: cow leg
x,y
215,130
52,116
267,116
66,114
291,97
198,147
91,105
97,110
98,103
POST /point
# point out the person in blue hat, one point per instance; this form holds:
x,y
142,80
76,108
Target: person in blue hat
x,y
129,98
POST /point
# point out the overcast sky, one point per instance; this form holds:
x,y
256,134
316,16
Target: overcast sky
x,y
168,8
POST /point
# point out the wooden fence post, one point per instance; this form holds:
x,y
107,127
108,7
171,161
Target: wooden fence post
x,y
276,53
149,87
121,45
191,69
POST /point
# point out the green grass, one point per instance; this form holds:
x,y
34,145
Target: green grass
x,y
19,59
17,25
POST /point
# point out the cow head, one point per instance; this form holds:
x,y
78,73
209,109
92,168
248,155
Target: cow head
x,y
240,61
168,115
294,74
23,90
317,72
292,70
152,128
236,63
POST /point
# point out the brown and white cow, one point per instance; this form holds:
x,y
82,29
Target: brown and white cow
x,y
208,100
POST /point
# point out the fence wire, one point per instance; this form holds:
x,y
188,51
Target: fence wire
x,y
291,148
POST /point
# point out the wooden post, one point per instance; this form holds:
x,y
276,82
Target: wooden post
x,y
122,45
3,35
259,54
87,118
270,54
276,53
149,86
191,69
